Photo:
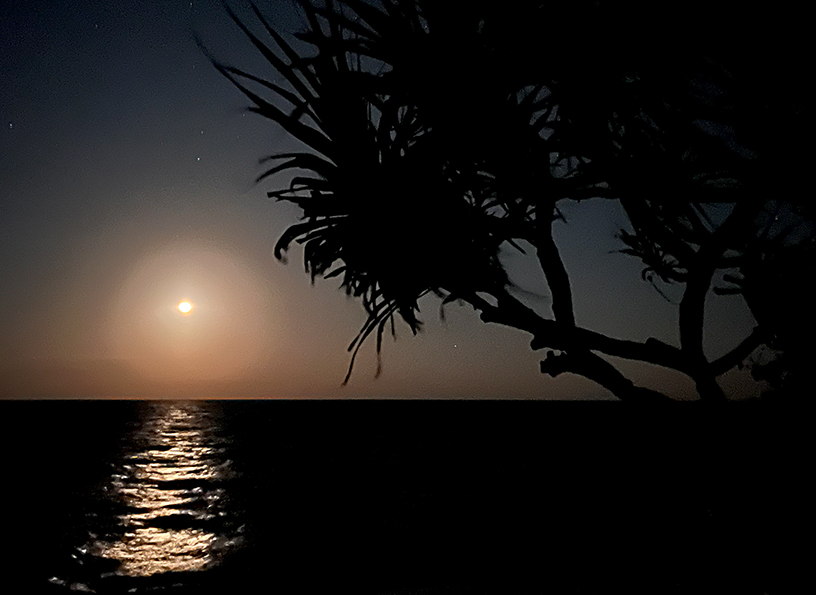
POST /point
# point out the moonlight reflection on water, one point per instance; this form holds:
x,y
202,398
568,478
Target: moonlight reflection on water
x,y
169,491
218,497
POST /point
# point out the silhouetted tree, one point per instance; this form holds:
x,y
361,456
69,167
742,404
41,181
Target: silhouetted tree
x,y
438,133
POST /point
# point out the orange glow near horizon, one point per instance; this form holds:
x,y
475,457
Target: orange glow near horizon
x,y
221,335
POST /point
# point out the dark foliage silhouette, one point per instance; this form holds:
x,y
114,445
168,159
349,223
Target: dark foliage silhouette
x,y
438,133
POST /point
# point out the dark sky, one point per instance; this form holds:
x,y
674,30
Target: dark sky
x,y
126,168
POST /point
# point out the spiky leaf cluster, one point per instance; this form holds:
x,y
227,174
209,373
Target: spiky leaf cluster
x,y
435,133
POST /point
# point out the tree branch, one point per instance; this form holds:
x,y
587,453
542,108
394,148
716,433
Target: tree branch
x,y
577,344
556,274
595,368
738,355
549,333
692,306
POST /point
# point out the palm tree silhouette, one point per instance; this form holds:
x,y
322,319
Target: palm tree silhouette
x,y
437,133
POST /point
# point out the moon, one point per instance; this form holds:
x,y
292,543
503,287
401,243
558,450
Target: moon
x,y
185,307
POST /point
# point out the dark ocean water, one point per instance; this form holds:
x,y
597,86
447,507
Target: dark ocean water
x,y
398,498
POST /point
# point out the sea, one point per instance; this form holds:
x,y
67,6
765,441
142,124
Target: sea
x,y
398,498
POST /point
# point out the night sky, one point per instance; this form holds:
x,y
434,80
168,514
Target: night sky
x,y
126,186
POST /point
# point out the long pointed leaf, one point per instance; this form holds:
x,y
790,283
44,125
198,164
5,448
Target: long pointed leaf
x,y
291,54
279,64
303,161
301,106
295,231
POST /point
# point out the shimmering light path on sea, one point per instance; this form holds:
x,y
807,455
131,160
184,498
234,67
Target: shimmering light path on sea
x,y
166,507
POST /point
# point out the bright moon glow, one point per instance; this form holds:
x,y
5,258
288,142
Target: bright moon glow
x,y
185,307
228,298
